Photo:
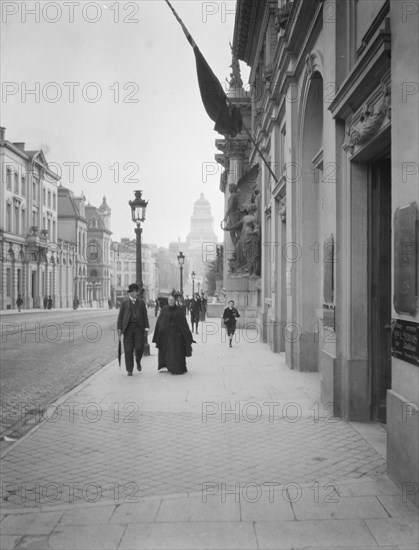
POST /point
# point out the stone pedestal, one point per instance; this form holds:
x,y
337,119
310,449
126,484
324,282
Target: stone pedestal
x,y
244,291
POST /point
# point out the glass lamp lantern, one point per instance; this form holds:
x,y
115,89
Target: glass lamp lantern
x,y
138,207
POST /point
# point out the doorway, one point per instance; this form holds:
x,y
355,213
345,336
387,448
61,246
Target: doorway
x,y
379,272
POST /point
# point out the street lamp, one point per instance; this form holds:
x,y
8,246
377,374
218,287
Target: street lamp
x,y
138,208
193,283
181,260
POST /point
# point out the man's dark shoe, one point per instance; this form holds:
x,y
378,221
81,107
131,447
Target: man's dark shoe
x,y
129,373
139,367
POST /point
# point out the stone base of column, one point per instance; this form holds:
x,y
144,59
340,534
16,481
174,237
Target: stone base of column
x,y
244,291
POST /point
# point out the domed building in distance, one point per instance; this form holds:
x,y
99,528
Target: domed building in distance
x,y
201,239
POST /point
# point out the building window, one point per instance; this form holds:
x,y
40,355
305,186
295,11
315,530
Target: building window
x,y
49,229
53,237
119,280
93,252
119,265
9,218
54,201
44,196
35,190
34,218
16,220
23,222
16,183
23,186
126,280
49,199
8,282
9,179
93,273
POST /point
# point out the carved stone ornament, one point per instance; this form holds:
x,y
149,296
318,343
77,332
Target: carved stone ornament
x,y
281,16
236,148
282,209
370,121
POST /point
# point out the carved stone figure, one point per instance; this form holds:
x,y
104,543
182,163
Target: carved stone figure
x,y
233,213
241,221
247,251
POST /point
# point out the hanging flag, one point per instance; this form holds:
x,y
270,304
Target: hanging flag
x,y
227,118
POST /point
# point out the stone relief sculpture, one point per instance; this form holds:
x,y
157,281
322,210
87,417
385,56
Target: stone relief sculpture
x,y
242,223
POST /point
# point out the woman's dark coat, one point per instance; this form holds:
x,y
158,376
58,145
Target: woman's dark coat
x,y
162,328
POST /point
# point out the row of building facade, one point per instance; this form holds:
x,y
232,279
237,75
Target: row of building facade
x,y
54,245
333,109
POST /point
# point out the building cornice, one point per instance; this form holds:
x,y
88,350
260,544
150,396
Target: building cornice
x,y
364,77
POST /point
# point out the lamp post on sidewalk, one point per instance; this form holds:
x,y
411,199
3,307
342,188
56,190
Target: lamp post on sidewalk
x,y
181,260
193,283
138,208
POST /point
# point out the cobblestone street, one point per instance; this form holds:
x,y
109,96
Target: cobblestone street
x,y
237,453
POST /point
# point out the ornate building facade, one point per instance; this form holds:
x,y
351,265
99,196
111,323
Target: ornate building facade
x,y
99,254
35,262
333,109
72,228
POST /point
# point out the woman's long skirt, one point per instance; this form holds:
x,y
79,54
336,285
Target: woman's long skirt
x,y
172,355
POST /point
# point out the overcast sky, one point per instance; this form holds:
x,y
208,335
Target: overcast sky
x,y
143,114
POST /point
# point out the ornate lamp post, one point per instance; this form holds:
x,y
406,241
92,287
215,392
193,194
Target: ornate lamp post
x,y
181,260
138,208
193,283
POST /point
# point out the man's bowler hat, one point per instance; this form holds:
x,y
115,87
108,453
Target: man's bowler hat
x,y
133,287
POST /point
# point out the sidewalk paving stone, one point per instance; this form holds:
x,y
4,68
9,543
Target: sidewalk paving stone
x,y
402,530
194,536
314,534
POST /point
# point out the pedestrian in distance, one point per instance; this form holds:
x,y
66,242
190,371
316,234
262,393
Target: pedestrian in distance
x,y
156,308
203,311
49,303
173,338
229,319
132,324
187,302
19,303
45,302
195,309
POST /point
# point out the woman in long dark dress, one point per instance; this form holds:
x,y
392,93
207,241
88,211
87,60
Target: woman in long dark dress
x,y
173,338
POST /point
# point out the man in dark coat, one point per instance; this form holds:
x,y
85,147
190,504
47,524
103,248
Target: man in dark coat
x,y
133,323
173,338
229,318
195,309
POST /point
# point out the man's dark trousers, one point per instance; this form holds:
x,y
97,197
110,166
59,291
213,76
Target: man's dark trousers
x,y
133,342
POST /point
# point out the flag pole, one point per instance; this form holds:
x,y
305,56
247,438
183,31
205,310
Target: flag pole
x,y
230,104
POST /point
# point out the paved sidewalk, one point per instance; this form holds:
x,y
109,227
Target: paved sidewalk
x,y
237,453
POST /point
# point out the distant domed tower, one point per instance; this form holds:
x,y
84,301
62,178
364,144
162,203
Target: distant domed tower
x,y
201,238
202,223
